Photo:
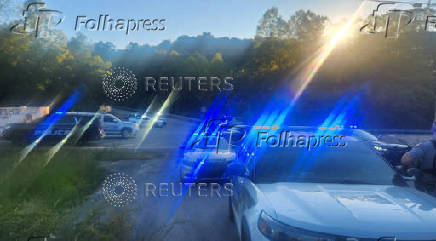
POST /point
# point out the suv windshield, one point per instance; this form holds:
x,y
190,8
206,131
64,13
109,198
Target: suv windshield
x,y
355,163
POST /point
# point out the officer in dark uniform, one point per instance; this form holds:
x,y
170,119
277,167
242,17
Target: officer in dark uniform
x,y
423,157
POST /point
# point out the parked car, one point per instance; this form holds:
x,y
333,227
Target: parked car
x,y
347,193
112,125
56,127
143,120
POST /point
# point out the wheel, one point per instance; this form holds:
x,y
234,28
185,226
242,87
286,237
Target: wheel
x,y
125,133
231,215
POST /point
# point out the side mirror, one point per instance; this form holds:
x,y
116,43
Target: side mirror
x,y
237,169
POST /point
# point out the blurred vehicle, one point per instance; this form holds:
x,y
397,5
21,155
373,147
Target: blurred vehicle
x,y
56,127
206,158
112,125
143,120
208,161
347,193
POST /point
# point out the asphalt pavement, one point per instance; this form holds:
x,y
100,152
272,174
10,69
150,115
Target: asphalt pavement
x,y
172,217
166,217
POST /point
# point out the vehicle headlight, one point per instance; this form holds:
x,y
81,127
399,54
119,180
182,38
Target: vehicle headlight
x,y
379,148
275,230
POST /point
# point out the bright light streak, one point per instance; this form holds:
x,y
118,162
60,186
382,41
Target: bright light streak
x,y
143,116
313,67
25,152
150,124
86,126
58,146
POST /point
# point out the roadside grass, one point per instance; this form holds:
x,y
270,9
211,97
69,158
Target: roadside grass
x,y
37,198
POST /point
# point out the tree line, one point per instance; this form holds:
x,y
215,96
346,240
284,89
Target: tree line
x,y
394,78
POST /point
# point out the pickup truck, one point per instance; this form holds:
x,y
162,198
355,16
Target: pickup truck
x,y
112,125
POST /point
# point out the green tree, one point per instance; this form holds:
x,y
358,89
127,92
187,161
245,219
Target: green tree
x,y
272,25
306,25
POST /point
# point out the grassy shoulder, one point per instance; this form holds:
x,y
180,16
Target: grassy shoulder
x,y
38,194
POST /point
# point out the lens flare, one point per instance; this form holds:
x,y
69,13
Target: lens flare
x,y
172,96
81,131
47,124
308,73
86,126
58,146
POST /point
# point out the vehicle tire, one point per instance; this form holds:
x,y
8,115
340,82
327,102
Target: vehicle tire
x,y
231,216
125,133
245,235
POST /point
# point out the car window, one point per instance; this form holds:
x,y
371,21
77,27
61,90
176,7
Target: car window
x,y
108,119
355,163
68,119
212,142
84,119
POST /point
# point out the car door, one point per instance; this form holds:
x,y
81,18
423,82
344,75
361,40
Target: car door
x,y
64,126
110,125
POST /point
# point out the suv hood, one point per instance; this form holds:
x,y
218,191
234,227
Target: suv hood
x,y
354,210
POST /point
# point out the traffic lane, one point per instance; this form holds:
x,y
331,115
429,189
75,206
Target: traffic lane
x,y
167,217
